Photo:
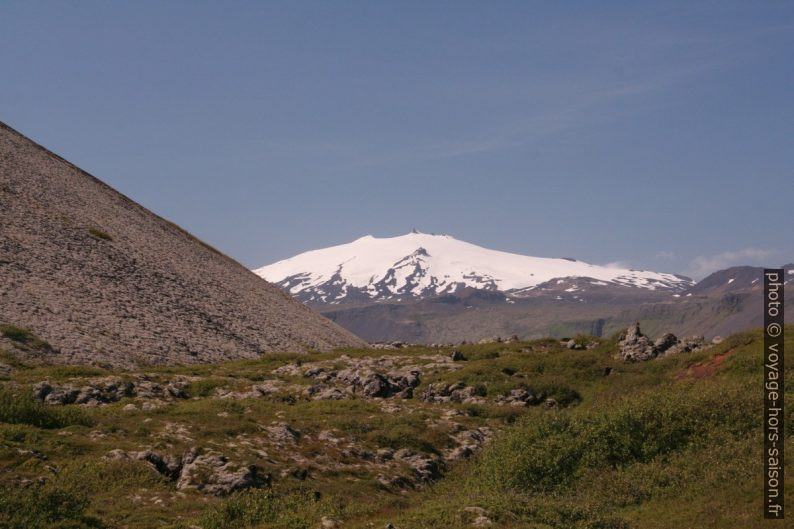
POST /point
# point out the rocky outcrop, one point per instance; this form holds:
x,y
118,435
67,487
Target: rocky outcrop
x,y
685,345
425,467
579,345
467,443
665,342
283,434
384,377
459,392
633,346
168,466
375,378
263,389
369,377
107,390
209,472
520,397
213,474
407,468
370,384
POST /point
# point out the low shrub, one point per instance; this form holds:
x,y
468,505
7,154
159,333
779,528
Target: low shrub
x,y
205,387
108,475
99,234
257,507
16,409
23,336
44,507
546,453
65,372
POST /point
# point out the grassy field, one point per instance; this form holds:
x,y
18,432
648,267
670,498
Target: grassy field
x,y
674,442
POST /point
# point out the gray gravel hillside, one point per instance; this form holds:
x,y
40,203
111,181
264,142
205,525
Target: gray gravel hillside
x,y
102,279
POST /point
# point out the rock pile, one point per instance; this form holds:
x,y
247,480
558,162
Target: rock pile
x,y
440,393
371,384
382,377
579,345
468,442
107,390
636,347
520,397
207,472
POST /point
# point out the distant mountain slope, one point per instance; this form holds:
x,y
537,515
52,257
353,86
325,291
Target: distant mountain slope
x,y
419,265
433,288
713,307
103,279
736,279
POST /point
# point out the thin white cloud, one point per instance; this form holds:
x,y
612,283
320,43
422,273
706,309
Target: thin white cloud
x,y
703,265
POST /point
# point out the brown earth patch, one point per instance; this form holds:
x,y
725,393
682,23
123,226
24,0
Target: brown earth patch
x,y
705,369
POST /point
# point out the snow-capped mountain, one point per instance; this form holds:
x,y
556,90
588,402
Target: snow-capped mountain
x,y
420,265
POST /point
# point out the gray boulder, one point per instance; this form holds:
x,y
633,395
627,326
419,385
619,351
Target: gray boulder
x,y
213,474
283,433
209,473
665,342
165,465
519,397
425,467
687,345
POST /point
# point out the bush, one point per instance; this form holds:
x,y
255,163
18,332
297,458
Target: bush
x,y
412,437
564,395
15,409
44,507
547,453
205,387
65,372
253,508
109,475
99,234
23,336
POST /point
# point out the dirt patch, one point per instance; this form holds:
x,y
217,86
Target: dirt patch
x,y
705,369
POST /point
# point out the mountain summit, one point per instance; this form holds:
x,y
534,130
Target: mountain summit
x,y
419,265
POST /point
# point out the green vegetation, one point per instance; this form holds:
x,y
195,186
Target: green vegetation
x,y
673,442
553,452
62,372
657,449
258,508
99,234
205,387
44,507
23,337
15,409
11,359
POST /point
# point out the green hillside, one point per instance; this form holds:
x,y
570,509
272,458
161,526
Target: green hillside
x,y
595,442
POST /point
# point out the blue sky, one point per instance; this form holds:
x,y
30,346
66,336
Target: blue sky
x,y
659,135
